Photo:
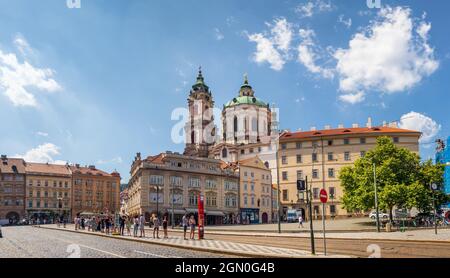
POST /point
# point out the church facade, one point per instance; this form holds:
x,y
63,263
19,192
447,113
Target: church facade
x,y
249,126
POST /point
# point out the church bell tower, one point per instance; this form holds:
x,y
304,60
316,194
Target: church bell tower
x,y
200,129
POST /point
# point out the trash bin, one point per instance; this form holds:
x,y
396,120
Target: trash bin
x,y
388,227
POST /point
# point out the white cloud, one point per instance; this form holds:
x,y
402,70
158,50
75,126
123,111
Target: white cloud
x,y
43,154
422,123
116,160
218,35
16,78
352,98
22,45
43,134
346,22
273,48
387,57
308,9
307,54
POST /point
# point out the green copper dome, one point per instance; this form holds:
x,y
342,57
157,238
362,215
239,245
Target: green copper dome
x,y
246,100
246,96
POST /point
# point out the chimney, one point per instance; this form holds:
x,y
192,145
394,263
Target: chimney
x,y
77,165
4,157
393,124
313,128
340,126
92,167
355,125
369,122
384,123
327,127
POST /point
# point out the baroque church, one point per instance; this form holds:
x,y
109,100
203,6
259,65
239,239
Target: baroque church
x,y
249,126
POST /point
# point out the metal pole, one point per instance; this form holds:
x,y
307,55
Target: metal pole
x,y
435,212
157,201
376,197
323,204
311,228
278,185
173,206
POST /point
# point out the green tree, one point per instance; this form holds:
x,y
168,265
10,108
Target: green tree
x,y
401,179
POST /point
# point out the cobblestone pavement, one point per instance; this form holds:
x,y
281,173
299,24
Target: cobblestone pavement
x,y
212,245
31,242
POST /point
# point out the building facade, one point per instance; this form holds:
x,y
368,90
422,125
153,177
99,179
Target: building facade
x,y
48,193
94,190
12,189
171,182
255,191
320,154
443,157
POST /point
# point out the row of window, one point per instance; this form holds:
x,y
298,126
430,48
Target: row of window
x,y
46,194
9,202
193,165
252,175
11,177
314,157
315,194
10,190
39,204
315,174
264,202
47,183
90,203
345,141
91,182
210,199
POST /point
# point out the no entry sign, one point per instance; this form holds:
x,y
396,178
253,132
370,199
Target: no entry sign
x,y
323,196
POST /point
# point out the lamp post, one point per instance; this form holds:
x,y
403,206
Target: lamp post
x,y
173,206
376,197
433,188
278,183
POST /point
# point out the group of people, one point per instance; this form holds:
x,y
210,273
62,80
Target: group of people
x,y
137,224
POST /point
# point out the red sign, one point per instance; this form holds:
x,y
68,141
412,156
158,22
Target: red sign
x,y
201,216
323,196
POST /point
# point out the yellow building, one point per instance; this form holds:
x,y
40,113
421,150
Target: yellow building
x,y
320,154
48,190
255,191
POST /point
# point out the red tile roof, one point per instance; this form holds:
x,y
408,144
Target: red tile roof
x,y
12,166
89,171
346,131
44,168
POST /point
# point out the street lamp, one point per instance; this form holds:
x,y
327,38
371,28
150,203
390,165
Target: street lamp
x,y
173,206
434,188
157,201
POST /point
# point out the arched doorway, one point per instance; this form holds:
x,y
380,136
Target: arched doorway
x,y
13,217
265,218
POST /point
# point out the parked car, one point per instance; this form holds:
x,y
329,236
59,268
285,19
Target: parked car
x,y
381,215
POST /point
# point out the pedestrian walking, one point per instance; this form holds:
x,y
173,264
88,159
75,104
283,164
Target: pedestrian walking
x,y
122,225
185,224
128,224
192,224
165,223
300,221
135,226
156,226
142,225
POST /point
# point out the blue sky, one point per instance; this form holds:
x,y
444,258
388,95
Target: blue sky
x,y
97,84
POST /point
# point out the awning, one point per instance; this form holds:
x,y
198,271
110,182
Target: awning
x,y
177,211
214,213
190,210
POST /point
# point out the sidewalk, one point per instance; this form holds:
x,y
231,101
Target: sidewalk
x,y
426,235
215,246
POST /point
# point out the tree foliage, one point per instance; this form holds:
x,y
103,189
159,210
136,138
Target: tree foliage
x,y
402,180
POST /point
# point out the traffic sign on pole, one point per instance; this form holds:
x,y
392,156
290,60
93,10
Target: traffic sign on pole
x,y
323,196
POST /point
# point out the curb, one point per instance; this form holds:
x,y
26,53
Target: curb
x,y
196,248
224,233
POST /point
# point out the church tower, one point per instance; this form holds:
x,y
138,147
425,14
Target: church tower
x,y
200,129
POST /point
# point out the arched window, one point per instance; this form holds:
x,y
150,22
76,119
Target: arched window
x,y
254,124
224,152
235,124
266,164
193,137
